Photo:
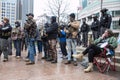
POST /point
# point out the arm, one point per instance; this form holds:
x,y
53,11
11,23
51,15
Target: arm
x,y
75,24
7,28
112,44
109,21
99,39
52,28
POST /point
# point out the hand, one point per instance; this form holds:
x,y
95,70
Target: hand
x,y
103,36
69,23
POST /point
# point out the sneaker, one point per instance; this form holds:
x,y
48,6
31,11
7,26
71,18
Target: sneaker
x,y
68,62
43,58
27,60
30,63
5,60
64,57
17,57
54,61
49,59
75,63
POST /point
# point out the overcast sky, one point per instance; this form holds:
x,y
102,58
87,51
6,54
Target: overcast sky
x,y
40,5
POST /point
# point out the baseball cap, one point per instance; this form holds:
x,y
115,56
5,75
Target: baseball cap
x,y
104,10
30,14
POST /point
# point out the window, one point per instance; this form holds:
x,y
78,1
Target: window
x,y
115,13
116,25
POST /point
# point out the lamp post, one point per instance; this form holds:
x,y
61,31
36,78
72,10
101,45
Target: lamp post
x,y
101,4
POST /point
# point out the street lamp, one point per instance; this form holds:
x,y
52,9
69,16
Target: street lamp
x,y
101,4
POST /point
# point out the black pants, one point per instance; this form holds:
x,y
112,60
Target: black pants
x,y
85,38
63,48
46,47
92,51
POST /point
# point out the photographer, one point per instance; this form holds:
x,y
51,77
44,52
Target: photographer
x,y
30,27
62,38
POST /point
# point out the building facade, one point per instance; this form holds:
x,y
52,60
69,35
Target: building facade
x,y
8,9
15,10
27,7
94,8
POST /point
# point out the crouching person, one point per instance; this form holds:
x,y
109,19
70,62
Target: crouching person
x,y
5,33
95,48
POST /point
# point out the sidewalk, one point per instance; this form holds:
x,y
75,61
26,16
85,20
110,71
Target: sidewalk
x,y
42,70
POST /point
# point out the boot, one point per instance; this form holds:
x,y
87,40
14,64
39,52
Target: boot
x,y
54,61
78,56
89,68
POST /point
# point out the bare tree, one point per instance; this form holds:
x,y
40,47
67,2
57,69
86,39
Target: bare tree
x,y
59,8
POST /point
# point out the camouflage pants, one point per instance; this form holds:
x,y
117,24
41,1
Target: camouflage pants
x,y
52,48
4,47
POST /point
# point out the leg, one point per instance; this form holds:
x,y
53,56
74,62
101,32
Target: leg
x,y
63,48
69,48
54,51
5,49
31,52
86,39
9,46
74,44
91,55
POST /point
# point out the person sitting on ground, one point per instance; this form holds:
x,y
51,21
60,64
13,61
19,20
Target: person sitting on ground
x,y
95,48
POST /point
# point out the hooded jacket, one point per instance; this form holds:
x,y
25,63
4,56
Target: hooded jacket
x,y
52,30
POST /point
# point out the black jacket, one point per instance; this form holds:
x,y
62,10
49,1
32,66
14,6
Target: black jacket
x,y
5,31
85,27
105,21
52,30
95,25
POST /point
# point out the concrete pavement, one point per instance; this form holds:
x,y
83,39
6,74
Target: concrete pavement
x,y
16,69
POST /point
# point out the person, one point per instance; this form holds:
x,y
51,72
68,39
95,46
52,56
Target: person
x,y
52,32
45,40
30,26
71,34
105,20
84,30
5,31
62,39
24,40
95,27
39,41
95,48
17,37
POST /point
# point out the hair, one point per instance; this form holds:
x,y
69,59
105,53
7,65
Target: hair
x,y
110,32
6,19
72,15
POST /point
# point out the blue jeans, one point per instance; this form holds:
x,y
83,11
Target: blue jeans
x,y
31,49
39,45
71,45
17,44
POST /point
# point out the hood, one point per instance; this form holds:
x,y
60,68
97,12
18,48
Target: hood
x,y
53,19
